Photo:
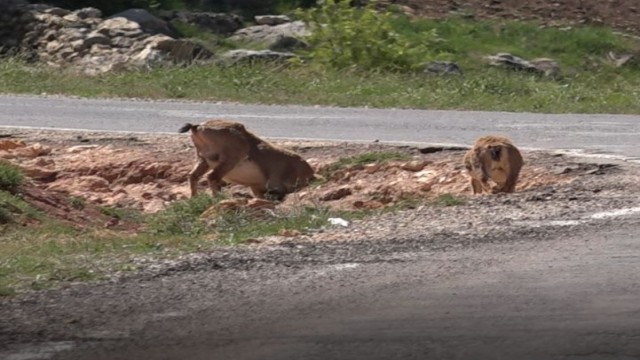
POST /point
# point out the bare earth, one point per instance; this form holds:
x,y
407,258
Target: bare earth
x,y
620,14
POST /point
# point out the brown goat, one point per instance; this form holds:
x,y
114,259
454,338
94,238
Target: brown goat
x,y
493,164
237,156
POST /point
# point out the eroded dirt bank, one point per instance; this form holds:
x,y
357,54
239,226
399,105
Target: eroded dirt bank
x,y
147,172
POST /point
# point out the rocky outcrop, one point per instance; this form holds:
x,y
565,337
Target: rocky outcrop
x,y
82,40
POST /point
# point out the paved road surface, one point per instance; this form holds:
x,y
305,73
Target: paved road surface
x,y
617,134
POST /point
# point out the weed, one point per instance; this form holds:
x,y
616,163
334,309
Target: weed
x,y
449,200
121,213
182,217
236,227
10,177
77,202
364,159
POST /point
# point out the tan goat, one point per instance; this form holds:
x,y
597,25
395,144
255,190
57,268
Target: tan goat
x,y
237,156
493,164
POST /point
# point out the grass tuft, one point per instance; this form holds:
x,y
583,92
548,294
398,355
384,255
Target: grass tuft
x,y
449,200
10,177
182,217
364,159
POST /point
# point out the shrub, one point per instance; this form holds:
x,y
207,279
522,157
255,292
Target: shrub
x,y
345,36
10,177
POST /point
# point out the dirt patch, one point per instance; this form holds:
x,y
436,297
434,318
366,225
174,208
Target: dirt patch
x,y
149,172
620,14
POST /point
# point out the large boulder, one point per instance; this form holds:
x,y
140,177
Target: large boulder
x,y
148,22
271,36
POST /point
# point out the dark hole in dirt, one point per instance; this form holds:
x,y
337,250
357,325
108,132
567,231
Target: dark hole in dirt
x,y
435,149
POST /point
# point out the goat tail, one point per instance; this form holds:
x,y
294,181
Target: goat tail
x,y
188,126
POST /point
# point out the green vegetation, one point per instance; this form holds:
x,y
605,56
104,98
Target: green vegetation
x,y
10,177
449,200
77,202
182,217
380,157
234,227
345,36
42,256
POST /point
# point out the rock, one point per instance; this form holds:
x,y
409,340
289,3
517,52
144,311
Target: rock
x,y
93,183
289,233
541,66
271,20
618,60
148,22
95,38
443,68
119,26
426,187
11,144
53,46
39,173
88,13
56,11
148,57
241,55
270,35
32,151
122,42
372,168
368,204
336,194
414,165
545,66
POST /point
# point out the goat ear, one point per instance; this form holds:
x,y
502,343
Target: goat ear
x,y
495,152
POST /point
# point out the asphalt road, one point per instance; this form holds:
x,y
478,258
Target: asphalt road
x,y
615,134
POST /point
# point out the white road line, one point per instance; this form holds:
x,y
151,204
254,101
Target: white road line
x,y
615,213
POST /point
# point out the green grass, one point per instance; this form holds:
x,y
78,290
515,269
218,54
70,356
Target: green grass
x,y
10,177
380,157
607,90
449,200
43,256
588,83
